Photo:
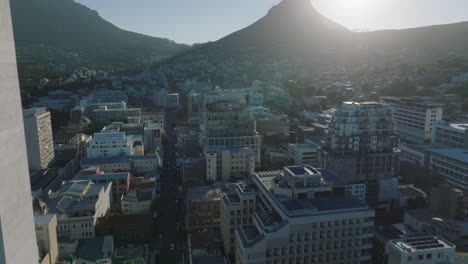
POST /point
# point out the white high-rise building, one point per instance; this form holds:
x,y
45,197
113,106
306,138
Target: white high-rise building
x,y
39,140
17,233
414,117
361,147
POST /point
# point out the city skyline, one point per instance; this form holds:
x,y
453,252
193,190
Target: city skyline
x,y
211,20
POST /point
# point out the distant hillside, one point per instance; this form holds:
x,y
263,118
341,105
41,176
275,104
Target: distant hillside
x,y
295,29
62,31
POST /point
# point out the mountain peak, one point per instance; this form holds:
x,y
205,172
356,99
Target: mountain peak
x,y
296,7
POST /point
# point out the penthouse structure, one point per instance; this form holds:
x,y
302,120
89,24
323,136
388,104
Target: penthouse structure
x,y
423,250
414,117
226,121
298,215
361,147
39,140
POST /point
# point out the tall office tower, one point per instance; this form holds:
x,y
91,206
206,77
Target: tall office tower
x,y
299,215
39,141
17,234
361,148
226,122
414,117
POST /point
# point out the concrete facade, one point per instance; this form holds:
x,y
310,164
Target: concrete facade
x,y
39,140
414,117
17,234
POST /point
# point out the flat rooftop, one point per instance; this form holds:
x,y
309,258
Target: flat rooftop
x,y
458,126
459,154
421,244
302,170
109,136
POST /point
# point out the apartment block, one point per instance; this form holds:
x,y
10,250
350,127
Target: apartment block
x,y
303,215
421,250
450,134
361,147
415,117
39,140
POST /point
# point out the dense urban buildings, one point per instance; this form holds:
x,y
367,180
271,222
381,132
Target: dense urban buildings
x,y
244,155
302,215
39,140
361,147
17,234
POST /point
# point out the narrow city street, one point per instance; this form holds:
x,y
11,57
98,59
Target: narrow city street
x,y
170,252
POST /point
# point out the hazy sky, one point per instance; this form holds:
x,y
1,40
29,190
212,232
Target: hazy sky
x,y
197,21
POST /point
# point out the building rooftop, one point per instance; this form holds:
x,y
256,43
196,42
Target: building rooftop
x,y
459,154
104,176
110,136
301,170
43,219
457,126
116,159
77,187
410,245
